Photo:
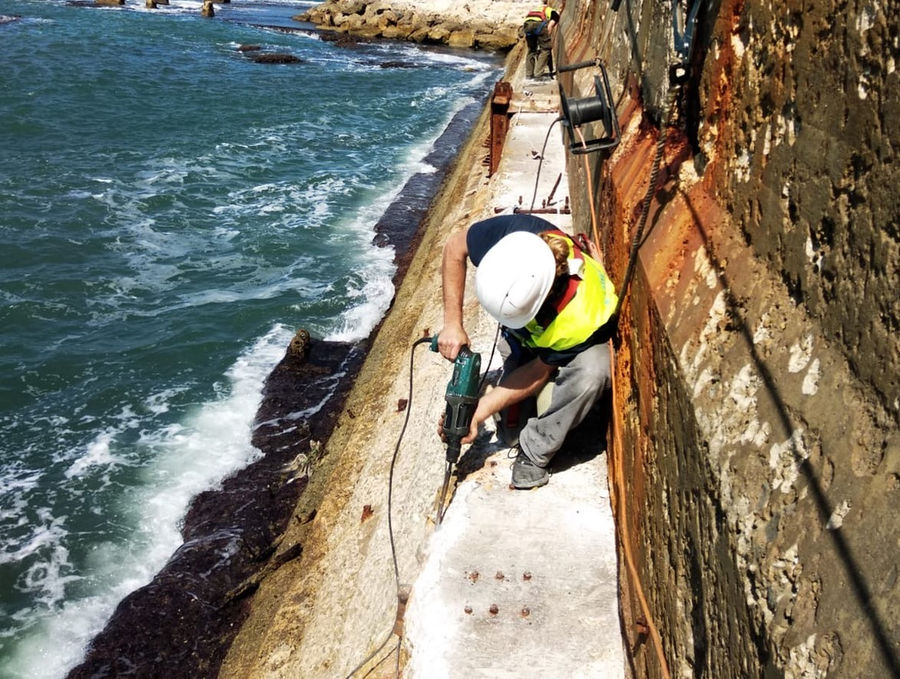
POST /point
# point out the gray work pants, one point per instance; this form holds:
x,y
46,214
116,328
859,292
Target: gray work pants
x,y
576,387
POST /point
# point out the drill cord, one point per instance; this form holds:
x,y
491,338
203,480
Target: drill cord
x,y
412,352
487,367
537,176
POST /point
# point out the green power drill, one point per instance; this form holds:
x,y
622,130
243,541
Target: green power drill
x,y
462,399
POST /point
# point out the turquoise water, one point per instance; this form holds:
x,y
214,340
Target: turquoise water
x,y
170,212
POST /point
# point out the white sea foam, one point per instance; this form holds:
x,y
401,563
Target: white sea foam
x,y
189,457
375,294
15,489
97,454
159,403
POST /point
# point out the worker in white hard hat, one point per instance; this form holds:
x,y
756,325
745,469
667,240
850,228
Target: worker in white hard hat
x,y
554,303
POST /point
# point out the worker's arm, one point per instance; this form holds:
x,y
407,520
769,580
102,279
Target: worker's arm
x,y
453,336
524,381
554,21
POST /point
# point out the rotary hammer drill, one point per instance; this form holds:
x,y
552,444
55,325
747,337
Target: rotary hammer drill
x,y
462,398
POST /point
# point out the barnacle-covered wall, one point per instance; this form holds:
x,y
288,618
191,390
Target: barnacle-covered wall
x,y
757,376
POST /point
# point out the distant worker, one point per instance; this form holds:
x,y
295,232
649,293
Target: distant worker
x,y
539,26
554,303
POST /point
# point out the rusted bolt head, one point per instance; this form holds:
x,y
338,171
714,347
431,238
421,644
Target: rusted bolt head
x,y
500,576
494,609
526,575
468,610
526,612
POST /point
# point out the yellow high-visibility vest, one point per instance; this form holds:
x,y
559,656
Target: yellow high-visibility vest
x,y
583,314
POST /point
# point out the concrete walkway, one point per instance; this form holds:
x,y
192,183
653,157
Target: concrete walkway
x,y
521,583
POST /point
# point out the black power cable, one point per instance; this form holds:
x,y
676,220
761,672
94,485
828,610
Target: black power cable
x,y
541,161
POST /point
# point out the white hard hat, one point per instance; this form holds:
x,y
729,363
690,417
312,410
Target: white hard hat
x,y
514,277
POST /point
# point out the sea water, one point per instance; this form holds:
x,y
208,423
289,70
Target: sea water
x,y
170,213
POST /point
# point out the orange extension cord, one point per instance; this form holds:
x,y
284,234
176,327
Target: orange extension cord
x,y
615,463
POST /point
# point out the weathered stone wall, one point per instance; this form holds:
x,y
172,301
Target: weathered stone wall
x,y
757,384
812,175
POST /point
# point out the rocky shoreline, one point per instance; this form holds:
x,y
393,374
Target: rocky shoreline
x,y
484,27
183,622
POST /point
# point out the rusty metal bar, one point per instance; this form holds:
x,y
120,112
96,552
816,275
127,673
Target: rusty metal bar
x,y
555,186
499,122
542,211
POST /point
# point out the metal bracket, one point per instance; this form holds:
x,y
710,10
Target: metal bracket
x,y
684,21
578,112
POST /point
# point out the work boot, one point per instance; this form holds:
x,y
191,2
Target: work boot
x,y
526,474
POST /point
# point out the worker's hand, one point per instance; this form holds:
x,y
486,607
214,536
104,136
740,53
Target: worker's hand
x,y
441,429
451,339
473,431
468,438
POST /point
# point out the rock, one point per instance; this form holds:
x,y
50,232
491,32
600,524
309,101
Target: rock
x,y
299,346
109,3
343,39
275,58
464,38
438,34
398,64
207,9
499,40
349,22
397,32
350,6
150,4
419,34
248,48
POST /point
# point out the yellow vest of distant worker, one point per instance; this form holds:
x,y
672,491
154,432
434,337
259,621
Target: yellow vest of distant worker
x,y
542,14
592,305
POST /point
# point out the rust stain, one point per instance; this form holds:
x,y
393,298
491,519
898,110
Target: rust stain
x,y
503,93
367,513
